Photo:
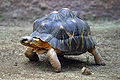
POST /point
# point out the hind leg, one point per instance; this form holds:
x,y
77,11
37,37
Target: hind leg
x,y
31,55
97,56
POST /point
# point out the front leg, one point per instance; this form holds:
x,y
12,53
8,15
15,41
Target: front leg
x,y
31,55
52,57
97,56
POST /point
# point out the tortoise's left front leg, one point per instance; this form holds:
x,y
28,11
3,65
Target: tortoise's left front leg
x,y
31,55
52,56
97,56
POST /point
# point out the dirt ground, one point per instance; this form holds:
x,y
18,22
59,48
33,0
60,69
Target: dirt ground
x,y
15,66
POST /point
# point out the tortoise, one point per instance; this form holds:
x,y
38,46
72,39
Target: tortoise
x,y
60,33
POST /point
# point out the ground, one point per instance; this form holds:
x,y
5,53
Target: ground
x,y
15,66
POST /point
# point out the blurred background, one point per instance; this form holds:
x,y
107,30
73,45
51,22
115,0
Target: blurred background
x,y
32,9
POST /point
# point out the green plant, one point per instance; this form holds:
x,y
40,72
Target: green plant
x,y
104,57
90,18
2,18
42,67
87,57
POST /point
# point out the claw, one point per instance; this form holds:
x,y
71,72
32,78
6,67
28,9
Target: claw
x,y
100,63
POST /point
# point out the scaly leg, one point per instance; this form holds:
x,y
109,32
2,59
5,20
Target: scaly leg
x,y
52,57
31,55
97,56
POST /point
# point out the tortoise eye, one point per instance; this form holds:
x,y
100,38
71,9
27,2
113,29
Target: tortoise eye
x,y
22,40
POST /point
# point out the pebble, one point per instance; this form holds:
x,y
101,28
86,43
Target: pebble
x,y
20,54
15,64
85,71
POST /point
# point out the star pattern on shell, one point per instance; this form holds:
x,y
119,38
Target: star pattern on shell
x,y
65,31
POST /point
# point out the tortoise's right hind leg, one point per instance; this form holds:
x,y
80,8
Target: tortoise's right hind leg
x,y
31,55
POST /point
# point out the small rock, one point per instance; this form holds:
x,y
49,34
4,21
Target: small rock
x,y
86,71
15,64
20,54
43,6
118,77
14,15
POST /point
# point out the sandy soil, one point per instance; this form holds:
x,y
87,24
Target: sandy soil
x,y
15,66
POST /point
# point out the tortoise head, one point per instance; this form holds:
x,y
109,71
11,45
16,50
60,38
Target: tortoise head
x,y
30,41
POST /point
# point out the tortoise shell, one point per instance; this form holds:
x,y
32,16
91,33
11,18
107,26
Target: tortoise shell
x,y
64,31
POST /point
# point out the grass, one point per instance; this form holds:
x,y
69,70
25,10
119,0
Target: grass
x,y
90,19
88,61
42,67
2,18
104,57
